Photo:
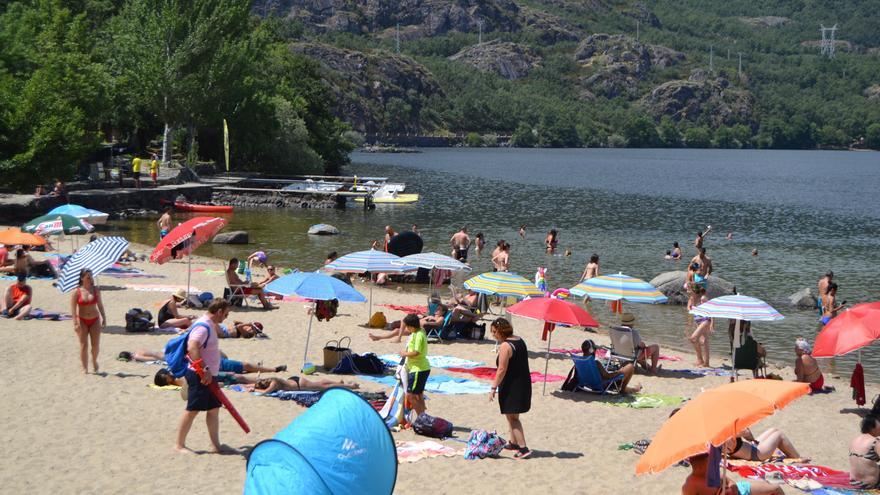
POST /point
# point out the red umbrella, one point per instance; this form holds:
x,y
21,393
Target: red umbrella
x,y
851,330
185,238
552,311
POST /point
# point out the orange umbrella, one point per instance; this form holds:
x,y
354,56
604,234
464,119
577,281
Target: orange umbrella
x,y
14,237
716,416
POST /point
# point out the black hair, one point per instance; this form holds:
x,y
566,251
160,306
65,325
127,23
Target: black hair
x,y
479,235
702,250
233,261
668,252
412,321
869,422
163,377
594,258
332,255
588,347
830,274
675,244
831,286
125,356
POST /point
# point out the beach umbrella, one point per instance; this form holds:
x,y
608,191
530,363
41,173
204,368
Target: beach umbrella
x,y
431,261
96,256
502,284
851,330
715,416
737,307
315,286
57,224
186,238
15,237
619,287
372,261
94,217
552,311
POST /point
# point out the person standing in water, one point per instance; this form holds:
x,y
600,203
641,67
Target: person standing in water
x,y
461,243
676,251
698,241
551,241
700,337
164,223
829,303
592,268
501,257
389,234
522,232
479,242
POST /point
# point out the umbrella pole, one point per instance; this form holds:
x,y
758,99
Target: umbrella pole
x,y
308,334
547,361
733,351
188,272
370,310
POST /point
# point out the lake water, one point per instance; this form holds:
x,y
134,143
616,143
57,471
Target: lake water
x,y
805,212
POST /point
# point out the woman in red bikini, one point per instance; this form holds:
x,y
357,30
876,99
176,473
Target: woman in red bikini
x,y
88,318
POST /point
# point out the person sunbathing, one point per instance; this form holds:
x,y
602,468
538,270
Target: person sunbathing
x,y
240,330
226,365
397,329
696,482
748,447
247,289
464,308
864,455
297,383
588,347
170,317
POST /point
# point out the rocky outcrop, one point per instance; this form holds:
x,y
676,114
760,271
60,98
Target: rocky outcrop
x,y
509,60
619,63
234,237
375,92
643,14
671,284
274,199
765,21
548,28
323,229
428,17
872,92
712,100
802,299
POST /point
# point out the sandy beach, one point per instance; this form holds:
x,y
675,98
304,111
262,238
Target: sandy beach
x,y
65,432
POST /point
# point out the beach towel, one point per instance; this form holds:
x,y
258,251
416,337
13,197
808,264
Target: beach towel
x,y
118,271
436,361
41,314
644,401
164,387
789,471
489,374
209,271
439,384
857,382
415,310
409,451
160,288
303,398
13,277
703,371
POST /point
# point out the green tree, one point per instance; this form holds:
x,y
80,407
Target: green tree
x,y
641,133
473,140
698,137
872,136
524,136
668,133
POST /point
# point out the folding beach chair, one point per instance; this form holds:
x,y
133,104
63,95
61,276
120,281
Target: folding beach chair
x,y
590,380
438,333
624,342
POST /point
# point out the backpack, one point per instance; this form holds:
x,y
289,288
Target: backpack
x,y
138,320
482,444
571,381
325,310
175,350
430,426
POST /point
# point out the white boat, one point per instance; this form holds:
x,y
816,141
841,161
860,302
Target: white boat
x,y
314,186
391,195
371,185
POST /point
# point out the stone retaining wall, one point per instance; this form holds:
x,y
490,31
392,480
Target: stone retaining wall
x,y
275,199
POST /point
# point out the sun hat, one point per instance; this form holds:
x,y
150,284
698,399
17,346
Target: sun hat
x,y
627,319
179,294
257,326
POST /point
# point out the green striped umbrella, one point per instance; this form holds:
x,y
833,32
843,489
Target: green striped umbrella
x,y
57,224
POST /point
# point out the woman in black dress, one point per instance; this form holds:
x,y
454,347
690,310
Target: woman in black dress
x,y
513,383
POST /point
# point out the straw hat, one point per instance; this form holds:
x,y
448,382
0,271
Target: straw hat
x,y
180,294
627,319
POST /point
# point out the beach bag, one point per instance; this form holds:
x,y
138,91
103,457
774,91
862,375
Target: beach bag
x,y
571,381
175,350
138,320
747,355
432,426
368,364
378,320
482,444
333,353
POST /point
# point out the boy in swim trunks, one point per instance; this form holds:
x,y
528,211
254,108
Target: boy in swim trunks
x,y
416,364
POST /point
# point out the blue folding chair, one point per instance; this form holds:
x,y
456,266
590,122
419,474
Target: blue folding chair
x,y
589,379
441,331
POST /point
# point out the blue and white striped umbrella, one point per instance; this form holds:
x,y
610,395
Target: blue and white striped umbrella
x,y
432,261
369,261
96,256
737,307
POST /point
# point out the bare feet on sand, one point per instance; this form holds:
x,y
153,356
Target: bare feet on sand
x,y
183,449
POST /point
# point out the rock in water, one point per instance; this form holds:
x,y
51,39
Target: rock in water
x,y
802,299
671,284
323,229
234,237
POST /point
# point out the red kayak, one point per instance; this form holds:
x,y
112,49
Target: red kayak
x,y
184,206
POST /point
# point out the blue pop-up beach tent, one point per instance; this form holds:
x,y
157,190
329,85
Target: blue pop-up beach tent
x,y
339,446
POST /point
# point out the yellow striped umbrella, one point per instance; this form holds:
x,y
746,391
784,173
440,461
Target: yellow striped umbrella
x,y
617,287
502,284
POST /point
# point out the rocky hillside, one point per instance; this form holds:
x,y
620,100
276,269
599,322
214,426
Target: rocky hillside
x,y
586,68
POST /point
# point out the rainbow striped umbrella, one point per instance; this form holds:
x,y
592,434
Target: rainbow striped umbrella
x,y
737,307
502,284
617,287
